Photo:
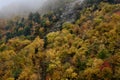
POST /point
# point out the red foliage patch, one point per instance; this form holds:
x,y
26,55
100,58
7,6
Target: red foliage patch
x,y
105,64
118,13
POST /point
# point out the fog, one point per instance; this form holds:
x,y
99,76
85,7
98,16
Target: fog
x,y
24,7
20,7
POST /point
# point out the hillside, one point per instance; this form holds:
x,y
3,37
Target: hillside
x,y
79,42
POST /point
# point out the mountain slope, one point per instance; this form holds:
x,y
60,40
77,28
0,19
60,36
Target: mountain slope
x,y
86,49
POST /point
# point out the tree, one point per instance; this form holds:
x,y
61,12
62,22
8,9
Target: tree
x,y
27,31
30,16
36,17
9,35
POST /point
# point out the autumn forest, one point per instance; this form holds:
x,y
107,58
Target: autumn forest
x,y
48,47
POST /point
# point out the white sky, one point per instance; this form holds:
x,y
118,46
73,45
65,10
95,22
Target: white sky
x,y
4,3
10,8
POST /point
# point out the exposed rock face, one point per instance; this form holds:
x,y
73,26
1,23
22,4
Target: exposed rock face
x,y
69,14
70,11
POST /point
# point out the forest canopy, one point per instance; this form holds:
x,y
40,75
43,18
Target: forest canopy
x,y
88,48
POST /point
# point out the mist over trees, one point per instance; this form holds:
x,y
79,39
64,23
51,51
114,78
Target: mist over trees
x,y
23,8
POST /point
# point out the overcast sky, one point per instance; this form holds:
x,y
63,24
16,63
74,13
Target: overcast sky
x,y
4,3
12,7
